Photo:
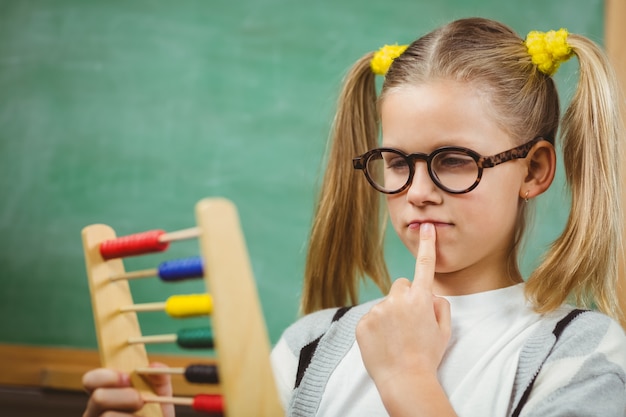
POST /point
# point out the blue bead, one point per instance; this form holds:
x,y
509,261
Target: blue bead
x,y
179,269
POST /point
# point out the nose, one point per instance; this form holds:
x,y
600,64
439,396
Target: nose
x,y
422,189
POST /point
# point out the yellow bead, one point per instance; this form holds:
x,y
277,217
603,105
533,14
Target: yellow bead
x,y
179,306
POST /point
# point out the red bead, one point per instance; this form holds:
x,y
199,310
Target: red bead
x,y
208,403
131,245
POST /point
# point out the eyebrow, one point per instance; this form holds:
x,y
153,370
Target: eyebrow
x,y
438,145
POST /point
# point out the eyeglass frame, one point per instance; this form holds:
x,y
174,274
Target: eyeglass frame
x,y
518,152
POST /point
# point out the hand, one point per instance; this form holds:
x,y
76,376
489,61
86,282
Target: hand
x,y
405,335
111,393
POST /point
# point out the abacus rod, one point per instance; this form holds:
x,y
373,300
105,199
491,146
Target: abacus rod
x,y
172,270
160,306
202,402
145,273
177,306
194,373
168,400
163,338
180,235
160,371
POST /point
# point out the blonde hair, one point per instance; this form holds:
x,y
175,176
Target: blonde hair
x,y
347,236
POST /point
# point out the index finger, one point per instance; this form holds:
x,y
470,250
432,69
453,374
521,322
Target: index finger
x,y
104,378
425,258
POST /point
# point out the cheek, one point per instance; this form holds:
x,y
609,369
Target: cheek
x,y
394,208
494,214
396,204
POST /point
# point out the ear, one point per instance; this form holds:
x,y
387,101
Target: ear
x,y
541,168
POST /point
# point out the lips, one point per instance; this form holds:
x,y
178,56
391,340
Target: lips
x,y
415,224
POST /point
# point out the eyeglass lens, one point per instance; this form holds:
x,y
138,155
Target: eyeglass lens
x,y
454,170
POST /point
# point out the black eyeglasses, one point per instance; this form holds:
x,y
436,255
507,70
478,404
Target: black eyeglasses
x,y
454,169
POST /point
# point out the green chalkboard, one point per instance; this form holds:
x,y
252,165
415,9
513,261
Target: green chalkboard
x,y
128,112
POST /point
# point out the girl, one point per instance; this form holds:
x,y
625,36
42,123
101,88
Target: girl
x,y
468,118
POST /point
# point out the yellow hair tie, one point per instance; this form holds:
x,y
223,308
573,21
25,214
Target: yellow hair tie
x,y
548,49
383,58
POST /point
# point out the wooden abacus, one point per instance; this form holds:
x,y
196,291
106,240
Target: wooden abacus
x,y
239,334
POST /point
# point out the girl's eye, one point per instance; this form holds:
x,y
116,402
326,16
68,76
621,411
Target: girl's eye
x,y
454,161
396,162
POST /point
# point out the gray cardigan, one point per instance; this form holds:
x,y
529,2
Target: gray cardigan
x,y
598,388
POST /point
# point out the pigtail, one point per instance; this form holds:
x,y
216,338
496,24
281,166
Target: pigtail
x,y
583,262
346,242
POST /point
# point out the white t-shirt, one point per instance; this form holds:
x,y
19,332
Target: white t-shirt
x,y
477,371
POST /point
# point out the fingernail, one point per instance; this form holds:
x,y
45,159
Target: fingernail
x,y
124,379
426,228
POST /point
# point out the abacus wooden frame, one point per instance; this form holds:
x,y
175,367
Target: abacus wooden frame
x,y
241,341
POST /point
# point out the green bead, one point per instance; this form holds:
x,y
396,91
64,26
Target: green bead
x,y
196,338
